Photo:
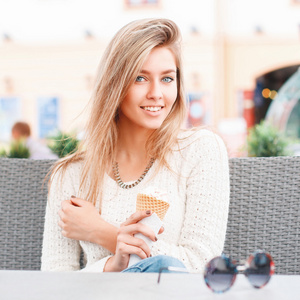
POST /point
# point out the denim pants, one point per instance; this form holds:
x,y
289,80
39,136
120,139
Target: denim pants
x,y
155,264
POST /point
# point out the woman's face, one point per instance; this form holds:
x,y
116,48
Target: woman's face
x,y
152,95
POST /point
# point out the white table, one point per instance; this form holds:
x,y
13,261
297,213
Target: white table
x,y
36,285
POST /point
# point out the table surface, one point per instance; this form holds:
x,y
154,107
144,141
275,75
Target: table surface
x,y
37,285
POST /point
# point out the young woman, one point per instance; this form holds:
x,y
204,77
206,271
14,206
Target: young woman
x,y
137,112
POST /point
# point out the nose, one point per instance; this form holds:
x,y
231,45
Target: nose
x,y
154,90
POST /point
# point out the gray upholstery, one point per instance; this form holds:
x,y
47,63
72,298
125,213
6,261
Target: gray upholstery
x,y
264,211
22,208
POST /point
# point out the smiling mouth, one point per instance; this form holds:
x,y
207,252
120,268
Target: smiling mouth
x,y
152,108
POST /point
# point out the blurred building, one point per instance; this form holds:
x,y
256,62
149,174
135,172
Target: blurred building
x,y
237,54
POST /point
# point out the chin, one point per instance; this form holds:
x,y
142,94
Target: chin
x,y
153,126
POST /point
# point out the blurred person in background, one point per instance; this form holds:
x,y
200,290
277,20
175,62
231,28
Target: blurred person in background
x,y
21,131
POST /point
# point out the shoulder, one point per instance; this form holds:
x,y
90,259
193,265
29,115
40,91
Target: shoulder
x,y
199,139
64,182
67,172
200,150
198,147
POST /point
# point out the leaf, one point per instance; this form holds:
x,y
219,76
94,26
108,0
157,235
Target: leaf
x,y
63,144
264,141
18,149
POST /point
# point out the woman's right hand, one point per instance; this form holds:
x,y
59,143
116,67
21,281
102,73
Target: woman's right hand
x,y
128,244
80,220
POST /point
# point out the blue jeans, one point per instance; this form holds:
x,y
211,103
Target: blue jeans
x,y
154,265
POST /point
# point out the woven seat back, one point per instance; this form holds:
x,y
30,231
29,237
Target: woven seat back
x,y
22,209
265,210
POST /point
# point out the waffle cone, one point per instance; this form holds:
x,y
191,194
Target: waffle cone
x,y
146,202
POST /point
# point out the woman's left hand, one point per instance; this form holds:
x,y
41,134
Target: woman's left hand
x,y
80,220
128,244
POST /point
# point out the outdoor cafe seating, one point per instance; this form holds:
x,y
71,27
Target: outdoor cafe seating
x,y
264,214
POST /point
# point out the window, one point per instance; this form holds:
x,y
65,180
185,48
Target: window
x,y
10,112
48,115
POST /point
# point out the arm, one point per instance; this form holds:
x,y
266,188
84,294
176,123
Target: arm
x,y
207,201
61,251
128,244
80,220
58,253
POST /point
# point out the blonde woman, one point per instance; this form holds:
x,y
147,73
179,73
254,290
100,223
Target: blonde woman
x,y
134,140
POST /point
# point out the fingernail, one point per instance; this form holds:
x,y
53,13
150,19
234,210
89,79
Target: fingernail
x,y
73,196
148,212
150,255
155,239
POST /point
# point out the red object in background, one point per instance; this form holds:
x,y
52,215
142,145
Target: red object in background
x,y
248,103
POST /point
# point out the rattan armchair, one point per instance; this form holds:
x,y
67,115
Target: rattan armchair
x,y
264,211
23,195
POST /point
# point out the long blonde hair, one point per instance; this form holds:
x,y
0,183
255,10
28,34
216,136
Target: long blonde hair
x,y
118,69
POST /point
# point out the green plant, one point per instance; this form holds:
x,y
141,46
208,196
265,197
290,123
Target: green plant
x,y
63,144
3,153
265,140
17,149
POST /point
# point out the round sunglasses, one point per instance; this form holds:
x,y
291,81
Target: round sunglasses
x,y
220,273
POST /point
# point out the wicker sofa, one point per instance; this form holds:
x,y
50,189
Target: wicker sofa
x,y
264,211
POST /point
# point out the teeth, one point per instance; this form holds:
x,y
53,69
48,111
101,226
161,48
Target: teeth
x,y
152,108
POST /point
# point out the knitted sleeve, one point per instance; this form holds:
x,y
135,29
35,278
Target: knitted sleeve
x,y
59,253
207,201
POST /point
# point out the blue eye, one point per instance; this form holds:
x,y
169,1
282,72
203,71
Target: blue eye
x,y
168,79
140,79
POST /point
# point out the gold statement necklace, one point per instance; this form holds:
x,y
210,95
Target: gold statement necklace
x,y
129,186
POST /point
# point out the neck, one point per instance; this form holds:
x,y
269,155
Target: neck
x,y
132,144
131,155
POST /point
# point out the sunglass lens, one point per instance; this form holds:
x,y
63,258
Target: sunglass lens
x,y
220,274
260,269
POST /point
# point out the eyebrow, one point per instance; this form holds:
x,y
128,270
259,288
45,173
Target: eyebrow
x,y
163,72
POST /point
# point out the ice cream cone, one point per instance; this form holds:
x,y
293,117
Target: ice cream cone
x,y
153,200
147,202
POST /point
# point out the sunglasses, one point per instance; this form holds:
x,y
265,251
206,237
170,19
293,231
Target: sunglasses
x,y
220,273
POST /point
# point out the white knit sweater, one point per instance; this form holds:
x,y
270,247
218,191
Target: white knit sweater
x,y
195,224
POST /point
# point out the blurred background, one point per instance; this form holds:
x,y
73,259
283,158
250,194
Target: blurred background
x,y
241,61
